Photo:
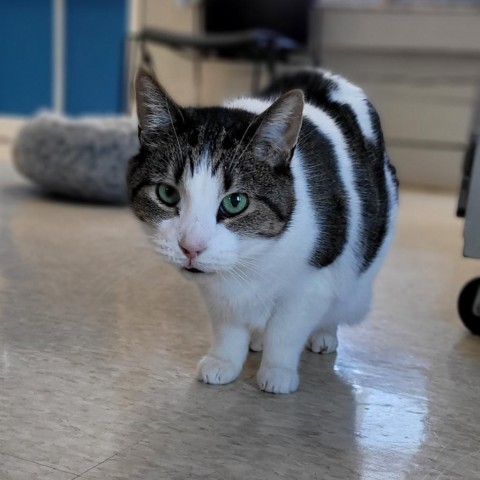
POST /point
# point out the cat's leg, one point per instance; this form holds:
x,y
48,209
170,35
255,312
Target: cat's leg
x,y
224,361
285,338
231,336
323,340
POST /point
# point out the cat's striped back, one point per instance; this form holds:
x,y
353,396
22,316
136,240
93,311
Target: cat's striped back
x,y
353,194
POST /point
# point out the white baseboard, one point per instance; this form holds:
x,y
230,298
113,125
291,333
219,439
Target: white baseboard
x,y
9,127
5,152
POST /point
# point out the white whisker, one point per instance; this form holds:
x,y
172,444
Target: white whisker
x,y
173,127
233,162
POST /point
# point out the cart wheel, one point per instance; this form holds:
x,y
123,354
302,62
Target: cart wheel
x,y
469,306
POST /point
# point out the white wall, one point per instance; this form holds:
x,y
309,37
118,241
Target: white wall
x,y
219,79
421,68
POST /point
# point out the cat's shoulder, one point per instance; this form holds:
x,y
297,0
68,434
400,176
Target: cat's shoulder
x,y
323,90
250,104
326,91
318,85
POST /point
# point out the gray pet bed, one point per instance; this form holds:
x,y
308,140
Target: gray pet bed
x,y
82,158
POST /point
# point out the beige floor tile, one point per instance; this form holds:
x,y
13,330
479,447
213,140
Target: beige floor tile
x,y
99,341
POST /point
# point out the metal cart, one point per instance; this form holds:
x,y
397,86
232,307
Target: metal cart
x,y
469,207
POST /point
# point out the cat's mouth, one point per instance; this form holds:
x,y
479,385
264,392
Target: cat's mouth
x,y
192,270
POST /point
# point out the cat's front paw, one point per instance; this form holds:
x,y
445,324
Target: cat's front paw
x,y
216,371
277,380
323,342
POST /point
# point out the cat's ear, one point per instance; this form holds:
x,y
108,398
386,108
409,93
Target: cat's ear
x,y
155,109
280,124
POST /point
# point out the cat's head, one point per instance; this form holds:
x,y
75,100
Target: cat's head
x,y
213,185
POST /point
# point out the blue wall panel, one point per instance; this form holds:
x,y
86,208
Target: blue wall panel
x,y
25,56
94,55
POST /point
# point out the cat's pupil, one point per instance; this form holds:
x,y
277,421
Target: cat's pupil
x,y
169,191
235,200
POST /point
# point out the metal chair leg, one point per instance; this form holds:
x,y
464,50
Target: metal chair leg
x,y
256,77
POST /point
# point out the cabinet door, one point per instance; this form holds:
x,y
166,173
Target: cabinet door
x,y
92,68
95,33
25,56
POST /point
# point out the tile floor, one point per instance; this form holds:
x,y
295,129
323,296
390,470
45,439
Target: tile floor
x,y
99,341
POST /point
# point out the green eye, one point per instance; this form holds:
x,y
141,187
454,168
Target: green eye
x,y
234,204
168,195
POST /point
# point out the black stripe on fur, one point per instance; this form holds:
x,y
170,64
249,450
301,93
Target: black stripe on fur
x,y
327,192
368,159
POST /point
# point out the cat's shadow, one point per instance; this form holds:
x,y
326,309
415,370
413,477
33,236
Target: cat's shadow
x,y
315,426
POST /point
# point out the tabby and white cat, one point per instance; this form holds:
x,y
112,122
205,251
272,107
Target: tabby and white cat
x,y
282,207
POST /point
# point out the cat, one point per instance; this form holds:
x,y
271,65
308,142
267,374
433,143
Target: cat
x,y
282,208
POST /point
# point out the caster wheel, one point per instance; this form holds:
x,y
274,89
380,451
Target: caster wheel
x,y
469,306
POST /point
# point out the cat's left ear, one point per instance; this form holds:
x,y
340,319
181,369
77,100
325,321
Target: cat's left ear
x,y
156,110
280,124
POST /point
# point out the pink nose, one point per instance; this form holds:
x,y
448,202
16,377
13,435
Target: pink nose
x,y
191,251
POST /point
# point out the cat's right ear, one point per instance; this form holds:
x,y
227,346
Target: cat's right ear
x,y
279,125
155,109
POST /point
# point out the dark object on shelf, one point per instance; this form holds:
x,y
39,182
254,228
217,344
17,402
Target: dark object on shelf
x,y
264,32
469,305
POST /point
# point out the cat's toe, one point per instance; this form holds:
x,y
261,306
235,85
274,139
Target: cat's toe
x,y
323,343
277,380
256,341
216,371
